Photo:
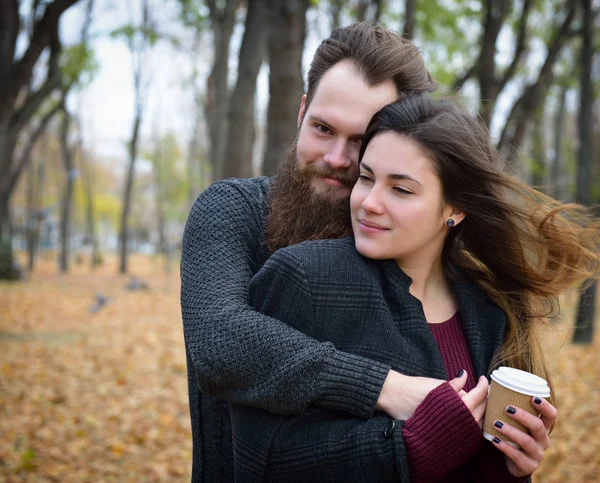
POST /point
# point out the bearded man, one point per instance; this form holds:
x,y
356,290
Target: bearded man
x,y
237,355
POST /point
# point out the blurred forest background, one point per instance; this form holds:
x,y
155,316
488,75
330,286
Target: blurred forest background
x,y
115,115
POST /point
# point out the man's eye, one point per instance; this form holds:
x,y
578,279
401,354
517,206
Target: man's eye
x,y
323,129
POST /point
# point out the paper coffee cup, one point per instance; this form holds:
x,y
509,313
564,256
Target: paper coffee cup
x,y
511,387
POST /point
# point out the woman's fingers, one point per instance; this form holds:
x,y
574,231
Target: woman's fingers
x,y
479,412
527,459
531,446
522,464
536,426
477,395
459,381
547,410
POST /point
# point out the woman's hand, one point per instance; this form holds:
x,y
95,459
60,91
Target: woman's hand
x,y
401,395
476,399
525,461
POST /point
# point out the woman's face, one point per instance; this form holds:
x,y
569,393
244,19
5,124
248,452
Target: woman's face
x,y
397,206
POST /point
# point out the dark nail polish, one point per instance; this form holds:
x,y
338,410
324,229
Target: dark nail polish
x,y
498,424
462,371
537,400
511,410
496,440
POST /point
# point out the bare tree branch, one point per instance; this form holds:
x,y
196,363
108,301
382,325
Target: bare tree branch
x,y
519,46
20,73
35,99
460,82
21,162
521,112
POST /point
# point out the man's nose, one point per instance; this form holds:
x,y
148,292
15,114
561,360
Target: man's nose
x,y
338,155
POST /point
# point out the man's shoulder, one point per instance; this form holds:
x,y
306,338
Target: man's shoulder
x,y
233,196
248,187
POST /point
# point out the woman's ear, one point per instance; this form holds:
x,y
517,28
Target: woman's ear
x,y
456,215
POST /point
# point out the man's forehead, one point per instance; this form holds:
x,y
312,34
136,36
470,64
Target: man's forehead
x,y
345,101
352,124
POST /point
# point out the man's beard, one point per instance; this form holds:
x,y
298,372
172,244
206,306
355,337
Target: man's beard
x,y
296,213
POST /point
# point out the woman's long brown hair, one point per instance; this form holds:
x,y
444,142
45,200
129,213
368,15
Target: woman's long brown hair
x,y
520,246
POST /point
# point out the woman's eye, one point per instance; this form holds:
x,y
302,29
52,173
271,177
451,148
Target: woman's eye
x,y
364,178
402,191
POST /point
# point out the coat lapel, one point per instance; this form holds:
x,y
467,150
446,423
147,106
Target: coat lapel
x,y
482,323
403,306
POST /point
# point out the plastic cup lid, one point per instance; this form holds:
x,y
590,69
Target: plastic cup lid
x,y
521,381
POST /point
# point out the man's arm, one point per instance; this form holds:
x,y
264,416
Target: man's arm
x,y
241,355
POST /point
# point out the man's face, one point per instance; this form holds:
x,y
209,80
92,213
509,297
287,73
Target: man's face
x,y
332,127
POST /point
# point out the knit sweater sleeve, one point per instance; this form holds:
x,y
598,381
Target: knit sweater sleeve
x,y
239,354
441,436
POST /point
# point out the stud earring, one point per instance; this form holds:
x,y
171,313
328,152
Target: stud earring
x,y
449,222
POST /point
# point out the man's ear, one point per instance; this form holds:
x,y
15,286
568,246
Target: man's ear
x,y
301,111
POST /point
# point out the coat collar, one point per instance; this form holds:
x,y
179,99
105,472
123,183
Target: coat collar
x,y
482,321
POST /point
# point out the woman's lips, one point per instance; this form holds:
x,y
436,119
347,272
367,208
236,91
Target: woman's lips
x,y
371,227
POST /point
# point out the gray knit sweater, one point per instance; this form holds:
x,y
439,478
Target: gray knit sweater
x,y
235,354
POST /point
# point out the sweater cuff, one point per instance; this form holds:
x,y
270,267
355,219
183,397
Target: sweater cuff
x,y
441,436
352,383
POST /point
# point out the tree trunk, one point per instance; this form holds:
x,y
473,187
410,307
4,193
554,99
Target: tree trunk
x,y
557,174
222,23
584,328
15,74
36,180
586,311
286,86
159,186
335,9
538,151
237,162
65,218
194,168
6,187
128,192
410,10
90,208
361,10
495,14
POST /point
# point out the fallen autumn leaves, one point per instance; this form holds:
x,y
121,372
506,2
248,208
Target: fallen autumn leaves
x,y
98,397
103,397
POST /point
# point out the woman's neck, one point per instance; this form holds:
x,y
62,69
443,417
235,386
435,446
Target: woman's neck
x,y
428,277
430,286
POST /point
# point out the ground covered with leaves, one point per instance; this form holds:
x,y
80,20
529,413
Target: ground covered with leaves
x,y
103,396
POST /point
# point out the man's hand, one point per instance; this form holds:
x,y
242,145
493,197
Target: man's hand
x,y
401,395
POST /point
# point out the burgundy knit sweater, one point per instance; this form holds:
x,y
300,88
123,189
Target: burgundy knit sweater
x,y
443,440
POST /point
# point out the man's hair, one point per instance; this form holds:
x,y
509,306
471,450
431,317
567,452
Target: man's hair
x,y
379,55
